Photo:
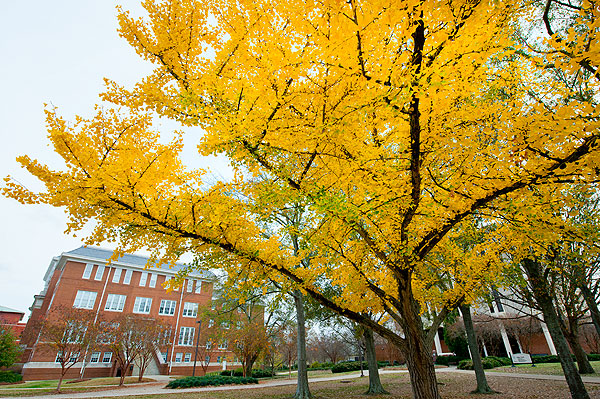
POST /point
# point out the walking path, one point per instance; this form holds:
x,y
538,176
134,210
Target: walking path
x,y
158,387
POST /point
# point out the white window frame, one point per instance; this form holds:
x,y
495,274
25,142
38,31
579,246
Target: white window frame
x,y
107,357
115,302
178,357
198,287
187,357
88,296
127,278
58,357
167,304
211,323
224,344
225,325
87,272
95,357
208,345
99,273
190,286
186,336
142,305
190,309
143,279
117,276
152,283
163,356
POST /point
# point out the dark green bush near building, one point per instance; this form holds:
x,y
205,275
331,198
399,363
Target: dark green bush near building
x,y
209,380
256,373
342,367
10,376
488,363
320,366
504,361
554,359
447,360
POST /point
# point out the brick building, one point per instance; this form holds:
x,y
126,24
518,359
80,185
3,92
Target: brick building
x,y
84,279
11,318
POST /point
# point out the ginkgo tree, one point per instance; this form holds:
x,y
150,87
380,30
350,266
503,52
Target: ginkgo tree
x,y
393,122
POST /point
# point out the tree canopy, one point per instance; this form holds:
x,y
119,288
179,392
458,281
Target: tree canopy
x,y
393,123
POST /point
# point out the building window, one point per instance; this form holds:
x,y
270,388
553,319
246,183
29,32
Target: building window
x,y
218,359
115,302
127,278
187,358
85,300
87,272
198,287
117,276
95,358
58,357
186,336
99,273
107,357
224,344
225,325
167,307
142,305
190,285
143,279
152,280
209,345
190,309
207,359
163,355
211,323
178,357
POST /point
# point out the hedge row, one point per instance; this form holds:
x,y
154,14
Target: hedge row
x,y
256,373
342,367
190,382
10,376
554,359
489,362
447,360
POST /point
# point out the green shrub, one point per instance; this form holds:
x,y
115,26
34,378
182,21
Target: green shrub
x,y
447,360
545,359
10,376
593,357
209,380
487,362
342,367
504,361
256,373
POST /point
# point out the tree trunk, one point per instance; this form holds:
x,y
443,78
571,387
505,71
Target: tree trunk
x,y
541,293
375,387
62,376
583,363
482,385
415,347
590,301
302,389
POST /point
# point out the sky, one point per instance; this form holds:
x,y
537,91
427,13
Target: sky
x,y
55,53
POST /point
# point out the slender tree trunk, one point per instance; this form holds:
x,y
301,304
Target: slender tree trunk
x,y
590,301
482,385
583,363
375,387
542,295
62,376
302,389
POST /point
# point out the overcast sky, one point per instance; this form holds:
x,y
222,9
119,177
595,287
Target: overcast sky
x,y
54,52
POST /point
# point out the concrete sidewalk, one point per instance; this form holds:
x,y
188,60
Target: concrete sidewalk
x,y
158,388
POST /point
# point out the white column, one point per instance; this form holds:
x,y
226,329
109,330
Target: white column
x,y
505,339
485,352
438,344
548,339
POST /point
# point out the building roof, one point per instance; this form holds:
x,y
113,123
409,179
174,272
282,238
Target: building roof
x,y
9,310
104,255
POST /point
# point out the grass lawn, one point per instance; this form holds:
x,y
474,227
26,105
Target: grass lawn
x,y
543,368
452,386
49,386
